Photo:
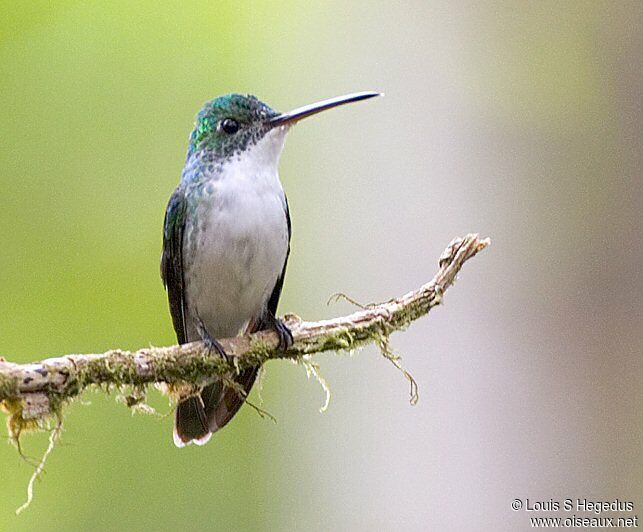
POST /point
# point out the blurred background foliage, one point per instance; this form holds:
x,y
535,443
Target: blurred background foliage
x,y
518,120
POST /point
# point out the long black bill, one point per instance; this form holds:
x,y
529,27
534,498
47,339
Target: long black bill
x,y
308,110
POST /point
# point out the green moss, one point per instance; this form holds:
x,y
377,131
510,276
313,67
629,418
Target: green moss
x,y
16,425
8,387
381,339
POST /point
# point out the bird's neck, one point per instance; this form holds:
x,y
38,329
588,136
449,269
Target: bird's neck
x,y
256,167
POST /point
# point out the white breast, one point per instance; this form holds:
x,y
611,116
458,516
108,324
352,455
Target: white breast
x,y
240,244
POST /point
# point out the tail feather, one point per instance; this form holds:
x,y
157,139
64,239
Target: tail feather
x,y
222,406
197,418
191,423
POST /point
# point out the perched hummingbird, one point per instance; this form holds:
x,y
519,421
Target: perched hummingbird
x,y
226,242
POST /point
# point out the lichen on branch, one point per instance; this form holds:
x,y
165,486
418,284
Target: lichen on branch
x,y
29,393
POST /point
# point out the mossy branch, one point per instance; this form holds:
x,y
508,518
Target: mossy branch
x,y
31,392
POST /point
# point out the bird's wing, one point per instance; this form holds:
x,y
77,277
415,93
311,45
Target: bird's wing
x,y
172,261
276,291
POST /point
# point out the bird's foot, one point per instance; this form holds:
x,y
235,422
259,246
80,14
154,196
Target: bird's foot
x,y
284,333
212,344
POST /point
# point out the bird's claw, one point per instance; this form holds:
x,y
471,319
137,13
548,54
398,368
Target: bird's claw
x,y
214,346
284,333
211,343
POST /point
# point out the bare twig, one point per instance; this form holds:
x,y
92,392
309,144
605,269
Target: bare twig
x,y
29,392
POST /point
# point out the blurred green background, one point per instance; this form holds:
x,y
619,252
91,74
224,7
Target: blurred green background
x,y
521,121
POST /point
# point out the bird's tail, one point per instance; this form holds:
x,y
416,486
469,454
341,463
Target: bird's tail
x,y
197,418
191,424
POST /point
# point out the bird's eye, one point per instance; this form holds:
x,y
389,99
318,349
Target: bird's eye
x,y
229,126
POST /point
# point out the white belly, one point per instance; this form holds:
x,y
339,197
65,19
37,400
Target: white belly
x,y
239,241
235,247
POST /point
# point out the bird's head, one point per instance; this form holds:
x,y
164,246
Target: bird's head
x,y
231,124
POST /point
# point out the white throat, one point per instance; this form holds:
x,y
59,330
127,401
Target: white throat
x,y
262,157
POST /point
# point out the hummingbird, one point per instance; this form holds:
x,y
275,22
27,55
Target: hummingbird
x,y
226,242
